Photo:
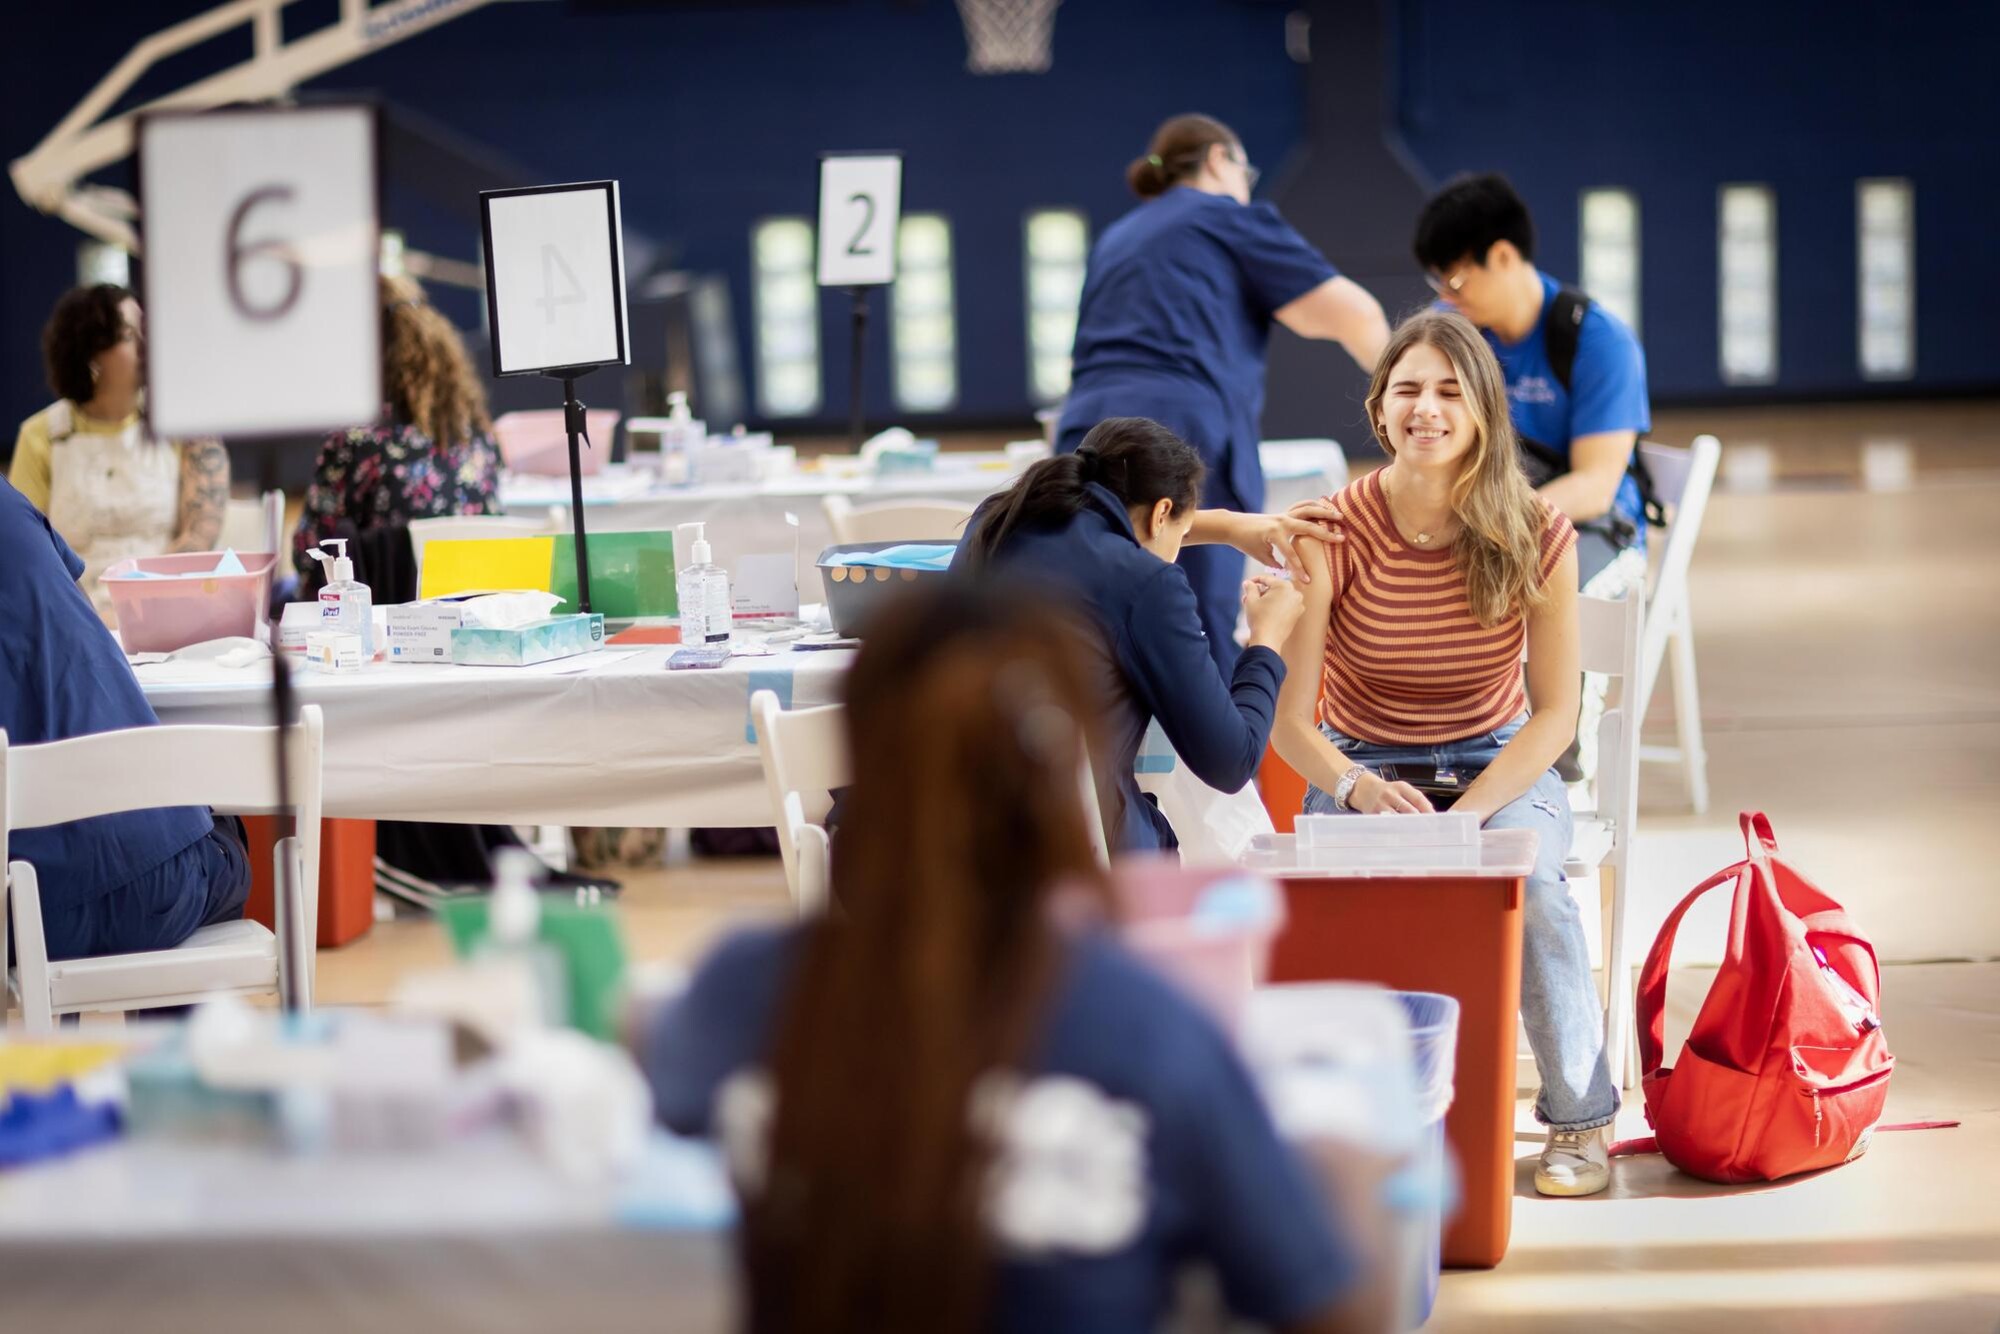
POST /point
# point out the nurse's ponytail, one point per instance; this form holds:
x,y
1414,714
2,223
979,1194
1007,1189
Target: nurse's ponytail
x,y
1134,458
1178,149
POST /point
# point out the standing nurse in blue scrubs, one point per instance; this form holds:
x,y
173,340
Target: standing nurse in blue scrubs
x,y
1176,313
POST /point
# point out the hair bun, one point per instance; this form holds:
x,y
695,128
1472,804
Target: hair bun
x,y
1147,176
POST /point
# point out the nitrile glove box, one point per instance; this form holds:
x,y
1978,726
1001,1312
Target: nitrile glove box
x,y
420,631
526,645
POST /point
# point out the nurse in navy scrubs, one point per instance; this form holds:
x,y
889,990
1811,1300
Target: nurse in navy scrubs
x,y
1177,309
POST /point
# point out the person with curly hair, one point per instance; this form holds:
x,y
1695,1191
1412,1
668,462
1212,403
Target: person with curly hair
x,y
431,454
87,462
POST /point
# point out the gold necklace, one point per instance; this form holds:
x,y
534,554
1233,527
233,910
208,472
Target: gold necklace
x,y
1422,539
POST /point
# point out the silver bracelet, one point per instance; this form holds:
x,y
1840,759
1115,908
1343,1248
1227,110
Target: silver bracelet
x,y
1344,788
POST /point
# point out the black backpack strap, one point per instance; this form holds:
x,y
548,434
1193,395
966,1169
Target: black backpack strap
x,y
1562,331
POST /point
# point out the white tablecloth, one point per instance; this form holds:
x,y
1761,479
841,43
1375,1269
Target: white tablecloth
x,y
608,738
749,518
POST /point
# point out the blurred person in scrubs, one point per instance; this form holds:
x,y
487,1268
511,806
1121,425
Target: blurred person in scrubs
x,y
955,1101
1177,308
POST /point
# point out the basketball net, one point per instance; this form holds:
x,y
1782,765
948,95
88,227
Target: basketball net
x,y
1009,36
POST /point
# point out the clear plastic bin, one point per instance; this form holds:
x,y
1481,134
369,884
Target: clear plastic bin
x,y
1361,1078
1210,931
162,615
1442,829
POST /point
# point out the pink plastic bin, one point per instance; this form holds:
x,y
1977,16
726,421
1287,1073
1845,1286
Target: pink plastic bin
x,y
1219,964
536,442
161,615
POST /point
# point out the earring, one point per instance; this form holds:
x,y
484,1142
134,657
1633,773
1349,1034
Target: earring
x,y
94,372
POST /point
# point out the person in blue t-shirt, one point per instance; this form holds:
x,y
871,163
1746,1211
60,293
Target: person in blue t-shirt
x,y
1178,302
954,1102
113,884
1579,432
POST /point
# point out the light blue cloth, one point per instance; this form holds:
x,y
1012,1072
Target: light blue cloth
x,y
909,556
228,563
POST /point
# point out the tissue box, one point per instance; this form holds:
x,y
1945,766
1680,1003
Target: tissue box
x,y
524,646
420,631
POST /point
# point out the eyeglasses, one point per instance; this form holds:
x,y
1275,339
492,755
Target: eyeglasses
x,y
1447,284
1250,173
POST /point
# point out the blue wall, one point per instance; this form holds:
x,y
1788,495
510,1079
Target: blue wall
x,y
713,114
1671,101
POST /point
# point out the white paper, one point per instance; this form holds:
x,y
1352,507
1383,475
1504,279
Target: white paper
x,y
860,201
558,278
261,304
767,586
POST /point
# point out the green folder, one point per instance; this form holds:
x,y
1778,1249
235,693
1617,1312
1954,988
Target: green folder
x,y
631,574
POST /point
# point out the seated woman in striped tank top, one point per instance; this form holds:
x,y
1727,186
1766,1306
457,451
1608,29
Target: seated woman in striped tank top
x,y
1410,651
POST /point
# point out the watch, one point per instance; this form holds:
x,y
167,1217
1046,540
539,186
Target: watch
x,y
1344,788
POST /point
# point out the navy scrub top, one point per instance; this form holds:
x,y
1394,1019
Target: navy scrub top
x,y
1132,1107
62,675
1159,663
1175,317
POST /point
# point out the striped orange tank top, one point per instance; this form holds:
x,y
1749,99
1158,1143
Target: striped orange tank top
x,y
1405,661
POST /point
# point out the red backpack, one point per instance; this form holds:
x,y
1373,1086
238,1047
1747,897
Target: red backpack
x,y
1786,1068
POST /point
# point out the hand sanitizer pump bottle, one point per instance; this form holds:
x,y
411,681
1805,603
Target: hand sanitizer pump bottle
x,y
706,611
345,604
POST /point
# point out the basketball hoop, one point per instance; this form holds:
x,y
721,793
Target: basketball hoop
x,y
1009,36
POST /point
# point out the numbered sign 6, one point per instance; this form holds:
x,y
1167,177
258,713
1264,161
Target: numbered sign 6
x,y
555,277
259,282
860,200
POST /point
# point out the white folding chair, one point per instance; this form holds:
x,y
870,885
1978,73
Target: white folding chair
x,y
1683,479
255,525
896,520
233,769
804,752
1601,844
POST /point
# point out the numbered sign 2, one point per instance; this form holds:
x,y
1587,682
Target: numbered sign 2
x,y
259,231
555,277
860,200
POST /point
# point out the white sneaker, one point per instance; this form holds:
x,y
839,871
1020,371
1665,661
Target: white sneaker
x,y
1574,1162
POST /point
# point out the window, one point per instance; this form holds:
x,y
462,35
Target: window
x,y
925,323
103,262
786,301
1058,244
1748,246
1610,252
1886,321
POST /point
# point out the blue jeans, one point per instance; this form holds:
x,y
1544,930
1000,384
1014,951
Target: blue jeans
x,y
1559,1002
205,883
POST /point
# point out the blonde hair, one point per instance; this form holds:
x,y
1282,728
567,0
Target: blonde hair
x,y
426,376
1500,518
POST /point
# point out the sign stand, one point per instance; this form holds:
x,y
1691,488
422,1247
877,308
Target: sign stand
x,y
859,296
260,230
860,207
575,424
555,300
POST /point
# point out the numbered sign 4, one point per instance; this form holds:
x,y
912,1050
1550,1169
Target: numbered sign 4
x,y
555,277
860,200
260,245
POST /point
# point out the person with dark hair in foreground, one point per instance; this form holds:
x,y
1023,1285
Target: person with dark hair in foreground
x,y
113,884
1101,528
1178,303
954,1102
